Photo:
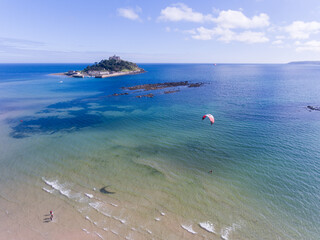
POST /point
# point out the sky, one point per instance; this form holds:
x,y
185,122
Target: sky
x,y
159,31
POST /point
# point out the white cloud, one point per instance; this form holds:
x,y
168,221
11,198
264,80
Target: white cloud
x,y
251,37
226,35
191,31
203,34
302,30
236,19
129,13
181,12
226,19
309,46
228,24
277,42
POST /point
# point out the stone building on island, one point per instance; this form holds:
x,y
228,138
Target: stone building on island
x,y
114,57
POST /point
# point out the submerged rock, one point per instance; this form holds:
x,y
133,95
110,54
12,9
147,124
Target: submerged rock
x,y
195,84
313,108
120,94
173,91
150,95
155,86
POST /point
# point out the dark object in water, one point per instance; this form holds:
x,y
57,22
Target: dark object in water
x,y
173,91
150,95
120,94
313,108
195,84
105,191
156,86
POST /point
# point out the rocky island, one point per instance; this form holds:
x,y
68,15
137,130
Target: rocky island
x,y
115,66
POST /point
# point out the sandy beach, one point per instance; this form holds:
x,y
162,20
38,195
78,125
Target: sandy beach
x,y
28,218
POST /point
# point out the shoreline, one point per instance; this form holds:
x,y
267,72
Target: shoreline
x,y
83,75
98,216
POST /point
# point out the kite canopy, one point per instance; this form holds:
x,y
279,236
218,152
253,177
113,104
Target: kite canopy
x,y
211,118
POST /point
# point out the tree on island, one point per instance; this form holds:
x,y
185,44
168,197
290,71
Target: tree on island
x,y
112,65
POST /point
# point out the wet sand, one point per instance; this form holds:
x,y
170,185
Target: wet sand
x,y
27,217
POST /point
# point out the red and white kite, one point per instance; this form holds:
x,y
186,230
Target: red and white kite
x,y
211,118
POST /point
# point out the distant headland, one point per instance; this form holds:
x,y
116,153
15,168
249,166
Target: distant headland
x,y
115,66
306,62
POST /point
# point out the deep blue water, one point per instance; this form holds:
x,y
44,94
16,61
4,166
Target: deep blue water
x,y
264,146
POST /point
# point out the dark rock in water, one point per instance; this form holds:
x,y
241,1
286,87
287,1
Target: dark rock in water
x,y
150,95
155,86
173,91
120,94
313,108
195,84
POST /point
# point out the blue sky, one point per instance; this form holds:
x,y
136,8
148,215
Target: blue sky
x,y
181,31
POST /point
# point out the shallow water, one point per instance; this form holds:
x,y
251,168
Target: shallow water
x,y
144,163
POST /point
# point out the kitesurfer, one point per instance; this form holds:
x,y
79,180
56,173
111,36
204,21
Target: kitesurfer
x,y
211,118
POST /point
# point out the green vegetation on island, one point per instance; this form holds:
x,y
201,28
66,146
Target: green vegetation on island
x,y
114,64
106,68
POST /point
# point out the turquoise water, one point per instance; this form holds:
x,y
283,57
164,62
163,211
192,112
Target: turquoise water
x,y
70,137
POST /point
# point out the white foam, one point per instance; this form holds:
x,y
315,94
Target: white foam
x,y
114,232
208,226
59,187
148,231
162,213
85,230
188,228
48,190
89,195
157,219
133,229
129,238
99,235
227,230
99,206
120,220
89,219
106,229
113,204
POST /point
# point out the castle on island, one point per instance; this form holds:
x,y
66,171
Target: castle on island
x,y
114,57
107,68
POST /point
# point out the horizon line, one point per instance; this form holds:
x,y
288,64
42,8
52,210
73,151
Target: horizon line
x,y
157,62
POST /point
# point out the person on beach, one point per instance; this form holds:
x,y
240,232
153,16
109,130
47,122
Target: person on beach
x,y
51,215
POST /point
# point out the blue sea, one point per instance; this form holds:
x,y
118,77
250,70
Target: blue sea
x,y
125,167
